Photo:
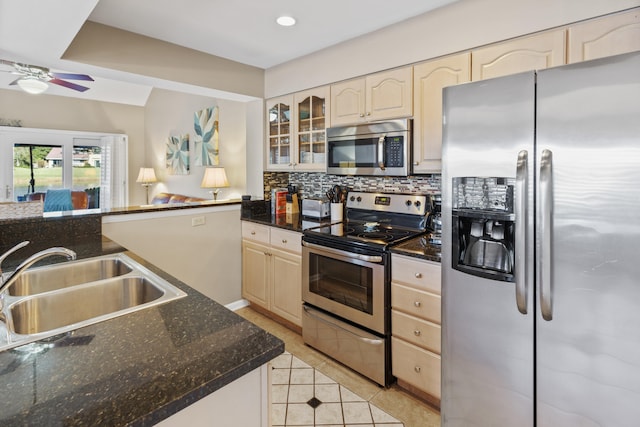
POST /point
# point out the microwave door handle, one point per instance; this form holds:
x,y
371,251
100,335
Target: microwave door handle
x,y
381,159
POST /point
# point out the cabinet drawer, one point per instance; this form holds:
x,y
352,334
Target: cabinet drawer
x,y
255,232
418,367
416,331
286,240
423,275
417,303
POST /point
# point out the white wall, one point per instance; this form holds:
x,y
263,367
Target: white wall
x,y
172,113
255,157
457,27
206,257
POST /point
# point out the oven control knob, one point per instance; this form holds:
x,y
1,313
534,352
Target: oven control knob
x,y
359,199
408,203
418,203
352,198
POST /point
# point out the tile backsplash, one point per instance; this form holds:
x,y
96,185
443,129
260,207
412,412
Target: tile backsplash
x,y
315,184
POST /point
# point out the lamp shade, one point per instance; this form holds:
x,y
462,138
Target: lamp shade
x,y
214,178
32,86
147,176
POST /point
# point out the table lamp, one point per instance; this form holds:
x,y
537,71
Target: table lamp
x,y
215,178
146,177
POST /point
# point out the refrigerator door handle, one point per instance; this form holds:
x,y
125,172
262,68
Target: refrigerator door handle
x,y
546,201
521,191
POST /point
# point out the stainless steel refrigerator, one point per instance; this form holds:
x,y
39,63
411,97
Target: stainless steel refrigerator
x,y
541,267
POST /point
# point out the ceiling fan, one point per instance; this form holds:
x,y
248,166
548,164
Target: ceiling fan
x,y
34,79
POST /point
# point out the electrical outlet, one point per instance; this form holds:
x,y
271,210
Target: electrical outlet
x,y
199,220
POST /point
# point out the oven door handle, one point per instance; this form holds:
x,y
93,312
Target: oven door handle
x,y
335,325
367,258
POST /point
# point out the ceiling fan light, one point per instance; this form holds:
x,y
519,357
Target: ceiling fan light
x,y
32,86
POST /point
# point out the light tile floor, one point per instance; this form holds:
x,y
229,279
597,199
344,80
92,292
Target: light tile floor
x,y
304,396
393,401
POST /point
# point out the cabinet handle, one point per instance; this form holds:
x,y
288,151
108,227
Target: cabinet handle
x,y
284,241
417,369
417,333
417,303
418,275
416,163
253,233
368,113
361,115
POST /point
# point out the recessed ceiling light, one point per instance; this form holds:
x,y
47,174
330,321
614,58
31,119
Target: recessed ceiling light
x,y
286,21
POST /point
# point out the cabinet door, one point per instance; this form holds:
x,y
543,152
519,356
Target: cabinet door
x,y
286,288
279,131
523,54
312,120
256,271
611,35
389,95
429,78
418,367
347,102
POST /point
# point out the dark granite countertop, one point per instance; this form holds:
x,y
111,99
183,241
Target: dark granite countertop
x,y
418,247
136,369
169,206
295,222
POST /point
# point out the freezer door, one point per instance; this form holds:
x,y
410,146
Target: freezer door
x,y
487,349
588,322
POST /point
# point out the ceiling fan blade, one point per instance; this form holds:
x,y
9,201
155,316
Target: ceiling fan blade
x,y
71,76
15,82
68,85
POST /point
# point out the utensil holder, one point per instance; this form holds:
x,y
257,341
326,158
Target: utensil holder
x,y
336,212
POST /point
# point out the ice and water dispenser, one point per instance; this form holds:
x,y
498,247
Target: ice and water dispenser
x,y
483,227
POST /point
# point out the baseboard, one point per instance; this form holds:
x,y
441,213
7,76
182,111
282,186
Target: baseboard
x,y
237,305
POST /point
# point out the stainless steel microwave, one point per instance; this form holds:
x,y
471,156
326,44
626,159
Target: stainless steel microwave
x,y
380,148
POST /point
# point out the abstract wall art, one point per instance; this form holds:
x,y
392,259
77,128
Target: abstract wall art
x,y
178,155
205,124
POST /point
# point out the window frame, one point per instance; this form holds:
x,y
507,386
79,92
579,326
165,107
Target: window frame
x,y
113,145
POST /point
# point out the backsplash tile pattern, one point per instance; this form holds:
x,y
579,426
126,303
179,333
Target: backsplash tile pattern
x,y
315,184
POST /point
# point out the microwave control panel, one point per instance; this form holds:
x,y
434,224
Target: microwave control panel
x,y
394,152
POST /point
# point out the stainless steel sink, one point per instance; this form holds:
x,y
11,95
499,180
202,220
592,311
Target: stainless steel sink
x,y
78,294
44,279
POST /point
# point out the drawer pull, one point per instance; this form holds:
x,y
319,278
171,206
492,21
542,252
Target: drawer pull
x,y
417,303
417,333
284,241
418,275
253,233
417,369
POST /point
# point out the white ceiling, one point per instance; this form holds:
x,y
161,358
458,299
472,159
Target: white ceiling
x,y
38,32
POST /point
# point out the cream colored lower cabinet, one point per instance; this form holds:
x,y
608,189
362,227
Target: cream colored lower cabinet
x,y
272,270
415,323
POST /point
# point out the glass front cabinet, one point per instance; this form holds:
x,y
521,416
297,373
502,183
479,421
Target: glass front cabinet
x,y
296,130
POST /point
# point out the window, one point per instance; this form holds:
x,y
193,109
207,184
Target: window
x,y
33,161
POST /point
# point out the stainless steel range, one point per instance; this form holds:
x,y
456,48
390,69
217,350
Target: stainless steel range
x,y
346,272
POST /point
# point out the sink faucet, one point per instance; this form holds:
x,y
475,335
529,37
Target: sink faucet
x,y
6,283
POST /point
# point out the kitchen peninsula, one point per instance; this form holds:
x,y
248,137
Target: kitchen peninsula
x,y
155,365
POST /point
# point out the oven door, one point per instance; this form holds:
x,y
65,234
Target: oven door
x,y
351,286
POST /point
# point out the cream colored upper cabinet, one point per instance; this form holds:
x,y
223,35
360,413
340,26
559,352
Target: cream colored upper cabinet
x,y
380,96
312,111
279,133
347,102
429,78
389,94
534,52
296,128
607,36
